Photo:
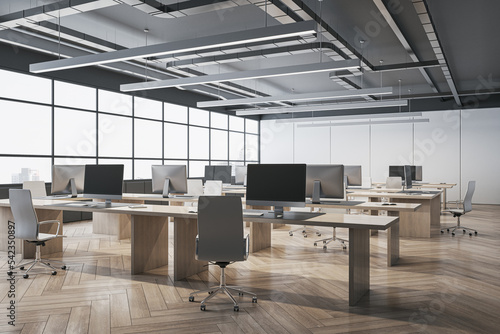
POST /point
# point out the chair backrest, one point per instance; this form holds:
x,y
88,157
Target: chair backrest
x,y
37,188
195,187
468,196
24,214
220,229
213,187
394,182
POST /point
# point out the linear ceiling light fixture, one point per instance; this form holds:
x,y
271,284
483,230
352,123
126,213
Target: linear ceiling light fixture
x,y
392,121
297,97
242,75
201,43
348,117
323,107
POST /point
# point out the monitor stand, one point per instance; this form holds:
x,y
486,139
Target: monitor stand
x,y
74,192
316,192
166,186
278,212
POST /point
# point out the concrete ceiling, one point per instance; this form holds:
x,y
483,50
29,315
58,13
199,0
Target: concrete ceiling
x,y
453,40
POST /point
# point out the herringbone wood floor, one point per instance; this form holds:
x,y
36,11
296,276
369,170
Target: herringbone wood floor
x,y
441,285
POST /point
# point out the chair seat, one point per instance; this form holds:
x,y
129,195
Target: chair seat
x,y
456,211
45,236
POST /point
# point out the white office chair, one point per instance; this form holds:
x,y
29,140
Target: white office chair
x,y
194,187
466,207
27,228
215,214
394,182
213,188
37,188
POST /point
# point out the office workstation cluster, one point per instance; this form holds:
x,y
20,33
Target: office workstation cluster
x,y
316,166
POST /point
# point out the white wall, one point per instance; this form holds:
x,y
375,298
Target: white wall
x,y
454,147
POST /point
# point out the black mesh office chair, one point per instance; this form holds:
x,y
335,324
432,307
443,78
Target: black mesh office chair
x,y
466,207
27,228
216,214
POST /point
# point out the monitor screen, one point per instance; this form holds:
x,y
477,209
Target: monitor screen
x,y
354,176
329,178
416,172
103,181
64,176
221,173
276,184
397,171
240,175
176,176
408,176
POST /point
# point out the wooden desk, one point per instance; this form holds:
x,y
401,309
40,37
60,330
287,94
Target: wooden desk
x,y
149,239
440,186
422,223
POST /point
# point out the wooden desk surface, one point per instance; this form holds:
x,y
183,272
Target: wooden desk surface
x,y
324,219
392,195
400,207
436,185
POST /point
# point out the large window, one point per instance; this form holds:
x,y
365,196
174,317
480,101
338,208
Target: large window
x,y
48,122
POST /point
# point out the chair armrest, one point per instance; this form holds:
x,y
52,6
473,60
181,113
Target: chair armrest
x,y
196,247
51,222
247,245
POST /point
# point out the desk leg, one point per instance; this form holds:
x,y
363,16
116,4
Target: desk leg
x,y
27,250
149,243
359,264
393,244
260,233
260,236
185,264
374,212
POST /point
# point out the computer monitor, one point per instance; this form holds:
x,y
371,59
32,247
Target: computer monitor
x,y
354,176
397,171
240,176
67,179
169,179
325,181
103,182
278,185
418,173
222,173
408,176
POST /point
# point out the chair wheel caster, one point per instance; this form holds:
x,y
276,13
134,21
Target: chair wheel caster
x,y
470,234
344,247
319,234
9,273
191,298
240,293
315,244
63,267
210,292
442,231
26,276
305,235
475,233
290,234
254,299
203,308
22,268
464,231
324,247
324,241
54,273
447,230
236,309
453,233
